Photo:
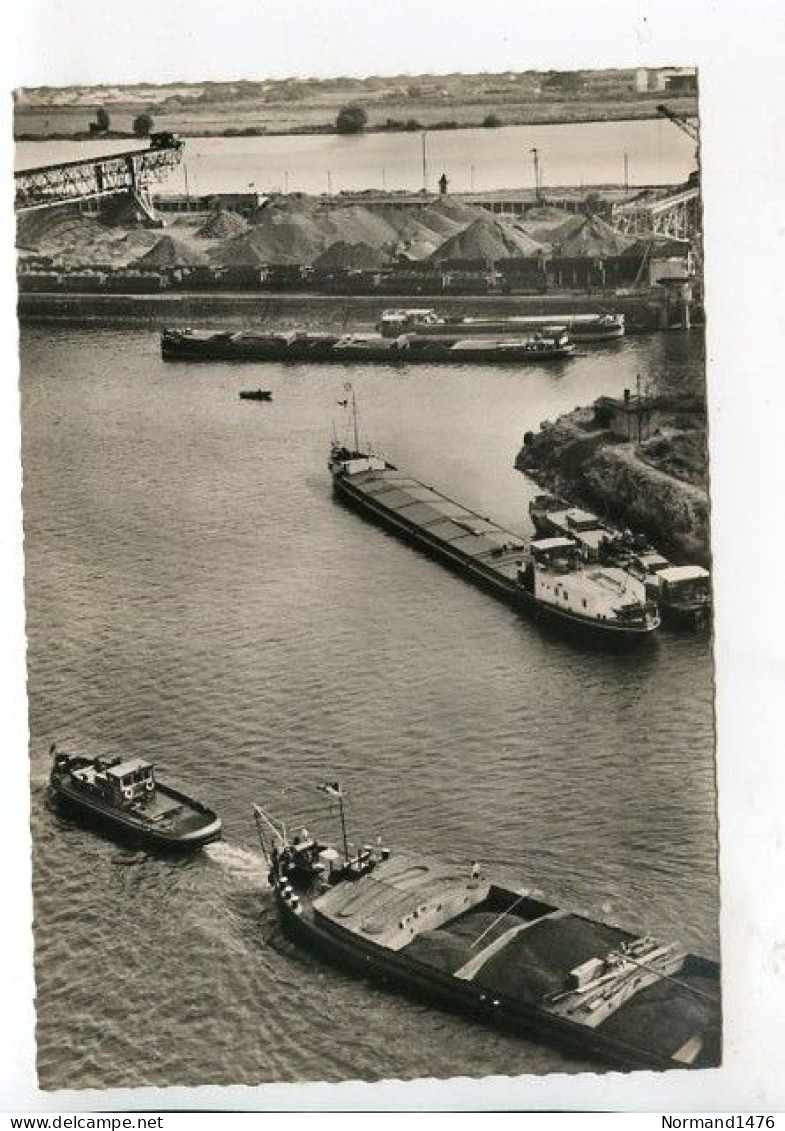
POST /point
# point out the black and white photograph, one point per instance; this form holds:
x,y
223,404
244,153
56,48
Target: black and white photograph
x,y
372,596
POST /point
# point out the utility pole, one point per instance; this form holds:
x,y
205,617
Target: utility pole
x,y
626,172
286,181
424,165
536,153
329,183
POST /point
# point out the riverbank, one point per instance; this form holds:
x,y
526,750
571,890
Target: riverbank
x,y
658,485
252,119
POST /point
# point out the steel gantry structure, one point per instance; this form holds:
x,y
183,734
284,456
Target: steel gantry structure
x,y
130,172
677,215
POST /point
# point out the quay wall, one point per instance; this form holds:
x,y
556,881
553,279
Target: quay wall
x,y
646,310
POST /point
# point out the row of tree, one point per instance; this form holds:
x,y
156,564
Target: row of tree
x,y
352,119
142,124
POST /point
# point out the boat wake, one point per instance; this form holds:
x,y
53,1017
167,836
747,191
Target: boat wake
x,y
243,862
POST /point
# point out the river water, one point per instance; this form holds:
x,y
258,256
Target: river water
x,y
195,594
588,153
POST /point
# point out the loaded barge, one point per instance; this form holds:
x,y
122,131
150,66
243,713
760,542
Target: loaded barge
x,y
302,346
502,955
549,578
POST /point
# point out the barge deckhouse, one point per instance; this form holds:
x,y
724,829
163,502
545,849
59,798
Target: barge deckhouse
x,y
681,592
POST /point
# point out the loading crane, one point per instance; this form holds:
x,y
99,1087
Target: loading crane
x,y
687,125
130,173
676,214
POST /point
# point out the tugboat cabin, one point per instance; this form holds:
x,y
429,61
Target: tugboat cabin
x,y
129,781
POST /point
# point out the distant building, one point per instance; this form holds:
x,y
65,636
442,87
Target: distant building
x,y
683,83
629,417
608,82
443,183
683,80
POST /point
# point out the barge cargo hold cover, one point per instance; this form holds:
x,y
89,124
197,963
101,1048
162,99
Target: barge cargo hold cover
x,y
485,552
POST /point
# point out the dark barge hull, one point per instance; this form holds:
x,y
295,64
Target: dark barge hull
x,y
686,617
426,983
578,332
582,626
123,826
430,350
483,574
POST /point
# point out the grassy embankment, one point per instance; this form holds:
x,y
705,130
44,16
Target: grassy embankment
x,y
315,116
659,485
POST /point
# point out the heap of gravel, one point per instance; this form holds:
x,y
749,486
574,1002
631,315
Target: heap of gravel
x,y
222,224
241,251
72,239
588,236
665,1015
352,255
283,232
355,224
538,960
487,239
171,252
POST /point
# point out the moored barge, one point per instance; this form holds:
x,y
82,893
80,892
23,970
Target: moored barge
x,y
426,322
503,955
301,346
549,580
126,798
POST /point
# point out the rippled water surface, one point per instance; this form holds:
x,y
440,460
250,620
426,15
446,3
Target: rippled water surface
x,y
195,594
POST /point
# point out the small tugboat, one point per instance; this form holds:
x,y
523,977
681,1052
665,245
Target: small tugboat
x,y
255,395
503,955
126,798
426,322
